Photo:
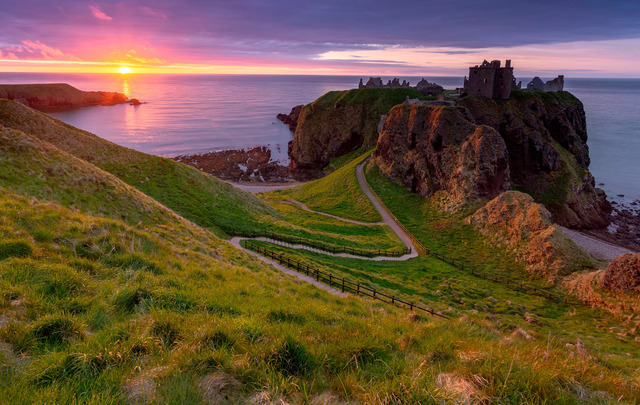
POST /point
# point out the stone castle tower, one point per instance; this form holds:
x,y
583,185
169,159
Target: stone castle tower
x,y
490,80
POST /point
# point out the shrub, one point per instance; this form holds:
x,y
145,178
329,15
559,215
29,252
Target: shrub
x,y
292,358
217,340
164,330
129,298
281,315
55,329
18,248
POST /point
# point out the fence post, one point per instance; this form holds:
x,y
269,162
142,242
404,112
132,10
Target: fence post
x,y
358,289
330,277
343,285
317,275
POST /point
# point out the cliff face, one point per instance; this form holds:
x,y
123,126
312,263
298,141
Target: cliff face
x,y
434,148
341,121
53,96
546,136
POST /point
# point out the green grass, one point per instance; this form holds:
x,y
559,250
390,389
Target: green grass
x,y
196,196
380,99
337,194
98,299
207,309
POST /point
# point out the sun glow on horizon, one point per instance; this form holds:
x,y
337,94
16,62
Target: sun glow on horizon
x,y
124,70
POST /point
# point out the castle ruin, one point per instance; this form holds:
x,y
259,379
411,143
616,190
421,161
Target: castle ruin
x,y
554,85
490,80
423,85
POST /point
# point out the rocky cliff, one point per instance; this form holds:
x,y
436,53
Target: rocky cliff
x,y
341,121
546,136
54,96
434,148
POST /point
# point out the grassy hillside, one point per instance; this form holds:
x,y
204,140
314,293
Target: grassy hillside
x,y
337,193
102,312
194,195
126,302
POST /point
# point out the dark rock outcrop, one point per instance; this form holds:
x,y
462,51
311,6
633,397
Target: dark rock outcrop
x,y
57,96
546,136
291,119
623,274
340,122
515,221
432,148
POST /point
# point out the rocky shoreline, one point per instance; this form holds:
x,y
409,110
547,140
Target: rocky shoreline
x,y
247,166
624,228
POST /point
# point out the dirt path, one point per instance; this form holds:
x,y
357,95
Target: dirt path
x,y
352,221
386,218
595,247
286,270
264,188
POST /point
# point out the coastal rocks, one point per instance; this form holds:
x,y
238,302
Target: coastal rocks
x,y
524,227
291,119
546,137
623,274
340,122
433,148
246,165
58,96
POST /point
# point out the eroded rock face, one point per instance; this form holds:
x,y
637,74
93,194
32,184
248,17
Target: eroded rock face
x,y
623,274
434,148
340,122
291,119
516,222
546,137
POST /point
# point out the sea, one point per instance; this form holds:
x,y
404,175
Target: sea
x,y
186,114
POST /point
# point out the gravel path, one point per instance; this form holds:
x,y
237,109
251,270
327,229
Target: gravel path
x,y
386,218
595,247
286,270
264,188
305,208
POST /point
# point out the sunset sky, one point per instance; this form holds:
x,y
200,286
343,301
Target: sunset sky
x,y
581,38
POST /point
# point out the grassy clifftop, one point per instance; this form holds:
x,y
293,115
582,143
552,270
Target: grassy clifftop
x,y
51,96
194,195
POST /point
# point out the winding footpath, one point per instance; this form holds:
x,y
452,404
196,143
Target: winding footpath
x,y
386,220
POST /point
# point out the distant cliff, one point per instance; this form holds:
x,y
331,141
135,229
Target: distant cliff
x,y
341,121
54,96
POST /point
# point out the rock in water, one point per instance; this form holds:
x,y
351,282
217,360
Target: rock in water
x,y
291,119
433,148
623,273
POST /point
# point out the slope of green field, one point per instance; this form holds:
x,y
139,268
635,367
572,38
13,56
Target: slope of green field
x,y
337,193
194,195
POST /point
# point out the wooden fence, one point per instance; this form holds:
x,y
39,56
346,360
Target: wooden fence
x,y
319,245
336,282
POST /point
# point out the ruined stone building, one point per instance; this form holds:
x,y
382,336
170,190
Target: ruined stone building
x,y
554,85
490,80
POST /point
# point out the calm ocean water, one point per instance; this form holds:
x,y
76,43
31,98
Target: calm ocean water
x,y
199,113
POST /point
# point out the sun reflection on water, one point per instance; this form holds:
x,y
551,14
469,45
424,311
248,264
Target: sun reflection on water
x,y
125,87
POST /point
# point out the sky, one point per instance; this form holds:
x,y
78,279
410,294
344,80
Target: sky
x,y
579,38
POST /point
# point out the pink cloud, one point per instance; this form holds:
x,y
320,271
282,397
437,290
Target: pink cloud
x,y
153,13
99,14
35,50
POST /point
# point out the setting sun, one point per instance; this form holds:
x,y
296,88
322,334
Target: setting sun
x,y
124,70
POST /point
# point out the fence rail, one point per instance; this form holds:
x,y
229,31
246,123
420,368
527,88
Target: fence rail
x,y
319,245
336,282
